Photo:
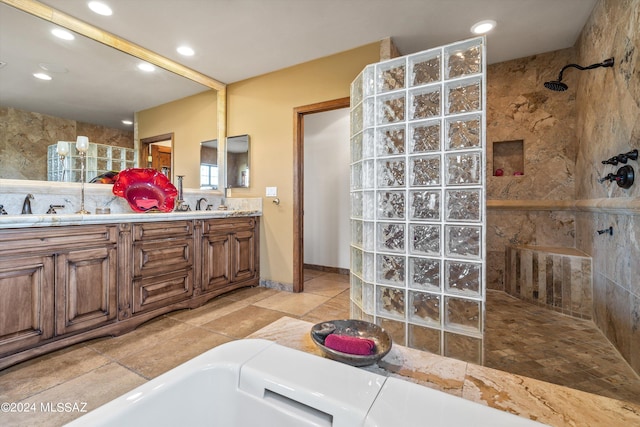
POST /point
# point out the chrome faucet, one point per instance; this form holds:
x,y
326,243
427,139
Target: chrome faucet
x,y
26,206
199,203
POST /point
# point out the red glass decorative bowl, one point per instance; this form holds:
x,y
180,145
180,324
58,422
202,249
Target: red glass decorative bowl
x,y
145,189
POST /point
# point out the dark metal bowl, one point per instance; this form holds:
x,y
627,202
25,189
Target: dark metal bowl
x,y
355,328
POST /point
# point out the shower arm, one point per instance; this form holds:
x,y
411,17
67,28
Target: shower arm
x,y
605,63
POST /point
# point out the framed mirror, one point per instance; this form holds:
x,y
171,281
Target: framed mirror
x,y
237,161
95,84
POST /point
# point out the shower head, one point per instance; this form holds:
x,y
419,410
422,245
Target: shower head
x,y
558,86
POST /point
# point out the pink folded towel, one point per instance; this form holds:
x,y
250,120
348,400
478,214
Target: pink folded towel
x,y
147,203
350,345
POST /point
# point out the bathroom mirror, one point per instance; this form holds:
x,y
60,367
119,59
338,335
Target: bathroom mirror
x,y
237,161
93,88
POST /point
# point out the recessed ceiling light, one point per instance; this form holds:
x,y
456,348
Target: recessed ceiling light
x,y
100,8
62,34
145,66
185,50
42,76
127,122
483,27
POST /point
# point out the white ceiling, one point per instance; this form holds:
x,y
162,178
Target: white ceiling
x,y
238,39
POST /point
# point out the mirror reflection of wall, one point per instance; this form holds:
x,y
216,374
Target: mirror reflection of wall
x,y
209,164
237,161
190,120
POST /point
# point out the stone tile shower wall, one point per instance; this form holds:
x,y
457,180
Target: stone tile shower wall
x,y
417,196
25,137
608,123
519,107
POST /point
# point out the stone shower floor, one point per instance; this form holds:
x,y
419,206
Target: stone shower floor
x,y
557,348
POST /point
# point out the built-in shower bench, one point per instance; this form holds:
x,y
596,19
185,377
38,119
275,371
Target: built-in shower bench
x,y
555,277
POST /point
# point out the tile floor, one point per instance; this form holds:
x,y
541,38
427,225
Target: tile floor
x,y
99,370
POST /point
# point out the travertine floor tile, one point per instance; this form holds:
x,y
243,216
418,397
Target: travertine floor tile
x,y
153,360
147,335
242,322
565,350
207,313
250,295
312,274
326,286
296,304
47,371
93,388
335,308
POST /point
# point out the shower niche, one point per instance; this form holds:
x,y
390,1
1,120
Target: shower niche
x,y
508,158
417,198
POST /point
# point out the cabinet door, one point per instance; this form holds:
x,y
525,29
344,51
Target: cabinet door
x,y
26,302
85,289
216,261
244,255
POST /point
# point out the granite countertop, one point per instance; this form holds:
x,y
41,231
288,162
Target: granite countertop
x,y
66,197
537,400
21,221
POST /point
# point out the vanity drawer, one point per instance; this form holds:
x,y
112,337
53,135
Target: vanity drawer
x,y
161,230
30,240
160,291
161,256
228,225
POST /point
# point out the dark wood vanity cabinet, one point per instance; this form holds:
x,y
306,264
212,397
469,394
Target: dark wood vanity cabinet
x,y
55,281
64,284
229,253
162,264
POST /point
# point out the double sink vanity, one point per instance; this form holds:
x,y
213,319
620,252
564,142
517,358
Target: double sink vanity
x,y
66,277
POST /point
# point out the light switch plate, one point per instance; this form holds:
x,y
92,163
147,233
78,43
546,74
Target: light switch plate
x,y
272,191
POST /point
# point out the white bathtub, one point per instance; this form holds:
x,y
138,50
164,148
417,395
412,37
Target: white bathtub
x,y
250,383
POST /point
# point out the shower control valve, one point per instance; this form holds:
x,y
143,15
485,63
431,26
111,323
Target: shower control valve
x,y
623,177
608,177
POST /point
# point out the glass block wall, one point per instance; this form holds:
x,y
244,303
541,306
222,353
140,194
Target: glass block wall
x,y
418,198
100,158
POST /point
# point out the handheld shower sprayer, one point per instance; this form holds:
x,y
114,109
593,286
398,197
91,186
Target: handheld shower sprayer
x,y
558,86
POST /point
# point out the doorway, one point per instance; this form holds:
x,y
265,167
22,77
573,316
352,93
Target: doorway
x,y
298,183
156,153
161,158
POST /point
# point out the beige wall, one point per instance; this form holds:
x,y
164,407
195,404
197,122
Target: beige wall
x,y
263,108
192,120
